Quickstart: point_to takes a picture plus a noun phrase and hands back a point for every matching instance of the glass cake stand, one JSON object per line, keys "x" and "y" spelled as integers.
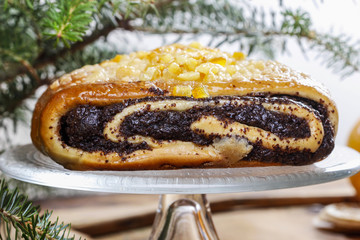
{"x": 183, "y": 211}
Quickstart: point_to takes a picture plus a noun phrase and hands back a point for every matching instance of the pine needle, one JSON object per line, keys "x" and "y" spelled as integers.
{"x": 22, "y": 220}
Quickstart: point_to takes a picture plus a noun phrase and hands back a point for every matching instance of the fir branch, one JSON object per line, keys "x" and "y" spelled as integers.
{"x": 28, "y": 7}
{"x": 225, "y": 21}
{"x": 92, "y": 54}
{"x": 13, "y": 108}
{"x": 22, "y": 220}
{"x": 13, "y": 93}
{"x": 17, "y": 38}
{"x": 254, "y": 29}
{"x": 49, "y": 59}
{"x": 68, "y": 20}
{"x": 296, "y": 23}
{"x": 23, "y": 62}
{"x": 337, "y": 52}
{"x": 105, "y": 20}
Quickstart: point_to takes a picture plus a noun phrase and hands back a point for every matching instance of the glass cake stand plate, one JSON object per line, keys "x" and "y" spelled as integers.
{"x": 183, "y": 211}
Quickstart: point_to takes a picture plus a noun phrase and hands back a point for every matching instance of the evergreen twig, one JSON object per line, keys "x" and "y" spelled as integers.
{"x": 22, "y": 220}
{"x": 68, "y": 20}
{"x": 253, "y": 28}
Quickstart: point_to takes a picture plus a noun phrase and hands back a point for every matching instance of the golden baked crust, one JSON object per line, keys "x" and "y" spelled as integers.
{"x": 194, "y": 72}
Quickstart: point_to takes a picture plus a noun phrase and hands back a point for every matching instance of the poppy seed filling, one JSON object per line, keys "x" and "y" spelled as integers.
{"x": 83, "y": 126}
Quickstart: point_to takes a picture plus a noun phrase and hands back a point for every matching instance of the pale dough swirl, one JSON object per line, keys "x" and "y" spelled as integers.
{"x": 209, "y": 125}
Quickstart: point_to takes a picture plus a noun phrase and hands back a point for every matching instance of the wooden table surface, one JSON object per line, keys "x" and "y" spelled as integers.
{"x": 277, "y": 214}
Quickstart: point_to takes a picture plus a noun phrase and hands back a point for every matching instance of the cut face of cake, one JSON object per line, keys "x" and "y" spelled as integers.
{"x": 184, "y": 107}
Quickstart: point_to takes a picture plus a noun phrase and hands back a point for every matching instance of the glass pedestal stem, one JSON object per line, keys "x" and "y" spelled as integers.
{"x": 183, "y": 216}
